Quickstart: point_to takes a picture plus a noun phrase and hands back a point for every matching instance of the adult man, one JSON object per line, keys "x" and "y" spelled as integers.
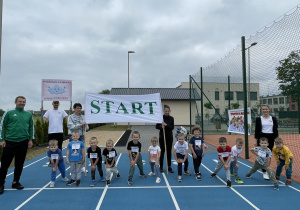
{"x": 16, "y": 134}
{"x": 55, "y": 117}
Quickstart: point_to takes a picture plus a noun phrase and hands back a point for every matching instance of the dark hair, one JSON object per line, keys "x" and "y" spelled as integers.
{"x": 264, "y": 139}
{"x": 166, "y": 106}
{"x": 19, "y": 97}
{"x": 76, "y": 105}
{"x": 196, "y": 128}
{"x": 222, "y": 140}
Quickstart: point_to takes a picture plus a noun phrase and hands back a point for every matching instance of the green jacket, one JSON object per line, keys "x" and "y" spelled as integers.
{"x": 16, "y": 125}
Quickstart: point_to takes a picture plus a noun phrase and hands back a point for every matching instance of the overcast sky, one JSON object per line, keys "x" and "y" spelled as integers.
{"x": 87, "y": 41}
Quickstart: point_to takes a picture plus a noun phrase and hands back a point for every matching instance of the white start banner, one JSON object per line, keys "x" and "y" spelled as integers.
{"x": 103, "y": 108}
{"x": 56, "y": 90}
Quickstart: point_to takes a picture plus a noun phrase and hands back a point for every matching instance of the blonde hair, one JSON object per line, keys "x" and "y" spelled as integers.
{"x": 239, "y": 141}
{"x": 93, "y": 139}
{"x": 196, "y": 128}
{"x": 154, "y": 138}
{"x": 53, "y": 142}
{"x": 278, "y": 141}
{"x": 266, "y": 106}
{"x": 110, "y": 142}
{"x": 75, "y": 132}
{"x": 180, "y": 135}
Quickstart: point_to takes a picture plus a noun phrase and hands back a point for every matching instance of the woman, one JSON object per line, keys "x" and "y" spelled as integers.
{"x": 266, "y": 126}
{"x": 168, "y": 125}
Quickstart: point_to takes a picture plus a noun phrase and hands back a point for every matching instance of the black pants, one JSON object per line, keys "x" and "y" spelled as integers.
{"x": 197, "y": 163}
{"x": 57, "y": 136}
{"x": 99, "y": 168}
{"x": 169, "y": 143}
{"x": 11, "y": 150}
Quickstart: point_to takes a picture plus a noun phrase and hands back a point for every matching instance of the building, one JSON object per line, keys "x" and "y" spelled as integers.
{"x": 276, "y": 103}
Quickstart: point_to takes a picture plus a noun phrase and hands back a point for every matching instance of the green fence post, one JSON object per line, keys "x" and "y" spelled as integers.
{"x": 201, "y": 84}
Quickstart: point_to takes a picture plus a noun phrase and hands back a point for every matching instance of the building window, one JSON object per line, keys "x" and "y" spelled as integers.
{"x": 293, "y": 107}
{"x": 226, "y": 95}
{"x": 239, "y": 96}
{"x": 264, "y": 101}
{"x": 253, "y": 96}
{"x": 281, "y": 100}
{"x": 217, "y": 95}
{"x": 270, "y": 101}
{"x": 275, "y": 100}
{"x": 276, "y": 110}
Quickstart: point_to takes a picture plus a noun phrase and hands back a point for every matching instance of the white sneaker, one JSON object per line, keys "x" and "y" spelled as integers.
{"x": 157, "y": 180}
{"x": 52, "y": 184}
{"x": 83, "y": 170}
{"x": 151, "y": 174}
{"x": 65, "y": 179}
{"x": 266, "y": 176}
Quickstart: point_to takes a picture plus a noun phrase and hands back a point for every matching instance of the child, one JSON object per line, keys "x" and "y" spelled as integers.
{"x": 263, "y": 160}
{"x": 76, "y": 157}
{"x": 94, "y": 153}
{"x": 196, "y": 145}
{"x": 236, "y": 151}
{"x": 283, "y": 156}
{"x": 110, "y": 155}
{"x": 134, "y": 151}
{"x": 181, "y": 151}
{"x": 153, "y": 156}
{"x": 56, "y": 159}
{"x": 224, "y": 153}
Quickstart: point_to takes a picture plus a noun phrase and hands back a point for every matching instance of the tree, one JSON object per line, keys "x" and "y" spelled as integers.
{"x": 235, "y": 105}
{"x": 1, "y": 112}
{"x": 288, "y": 73}
{"x": 106, "y": 91}
{"x": 208, "y": 105}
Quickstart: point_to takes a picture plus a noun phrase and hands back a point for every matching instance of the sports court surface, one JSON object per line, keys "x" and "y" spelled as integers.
{"x": 209, "y": 193}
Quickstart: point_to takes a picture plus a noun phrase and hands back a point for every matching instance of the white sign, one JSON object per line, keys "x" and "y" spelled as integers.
{"x": 236, "y": 121}
{"x": 103, "y": 108}
{"x": 56, "y": 90}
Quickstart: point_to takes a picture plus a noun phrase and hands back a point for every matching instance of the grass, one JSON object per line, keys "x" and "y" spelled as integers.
{"x": 111, "y": 127}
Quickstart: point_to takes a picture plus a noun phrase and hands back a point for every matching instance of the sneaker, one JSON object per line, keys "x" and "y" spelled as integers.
{"x": 129, "y": 181}
{"x": 232, "y": 174}
{"x": 107, "y": 182}
{"x": 239, "y": 181}
{"x": 78, "y": 182}
{"x": 213, "y": 175}
{"x": 248, "y": 176}
{"x": 65, "y": 179}
{"x": 17, "y": 185}
{"x": 161, "y": 170}
{"x": 277, "y": 177}
{"x": 276, "y": 187}
{"x": 187, "y": 173}
{"x": 198, "y": 177}
{"x": 266, "y": 176}
{"x": 93, "y": 182}
{"x": 72, "y": 181}
{"x": 170, "y": 170}
{"x": 143, "y": 176}
{"x": 228, "y": 183}
{"x": 83, "y": 170}
{"x": 118, "y": 175}
{"x": 288, "y": 182}
{"x": 151, "y": 174}
{"x": 1, "y": 189}
{"x": 179, "y": 179}
{"x": 157, "y": 180}
{"x": 52, "y": 184}
{"x": 102, "y": 179}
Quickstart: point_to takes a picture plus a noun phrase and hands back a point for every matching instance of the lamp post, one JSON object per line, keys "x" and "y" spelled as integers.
{"x": 128, "y": 92}
{"x": 248, "y": 48}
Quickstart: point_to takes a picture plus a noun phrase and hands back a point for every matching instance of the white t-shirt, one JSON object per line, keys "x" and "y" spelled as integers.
{"x": 55, "y": 118}
{"x": 235, "y": 152}
{"x": 154, "y": 152}
{"x": 267, "y": 125}
{"x": 181, "y": 148}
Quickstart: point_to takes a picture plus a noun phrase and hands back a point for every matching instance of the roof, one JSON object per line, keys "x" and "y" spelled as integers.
{"x": 165, "y": 93}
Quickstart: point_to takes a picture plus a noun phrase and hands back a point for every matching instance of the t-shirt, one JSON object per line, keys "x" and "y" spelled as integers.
{"x": 267, "y": 124}
{"x": 110, "y": 155}
{"x": 75, "y": 149}
{"x": 134, "y": 148}
{"x": 235, "y": 152}
{"x": 224, "y": 153}
{"x": 197, "y": 145}
{"x": 181, "y": 148}
{"x": 263, "y": 155}
{"x": 94, "y": 154}
{"x": 55, "y": 118}
{"x": 54, "y": 155}
{"x": 153, "y": 152}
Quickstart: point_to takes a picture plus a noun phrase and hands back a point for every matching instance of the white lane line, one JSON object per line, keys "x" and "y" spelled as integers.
{"x": 245, "y": 199}
{"x": 106, "y": 187}
{"x": 171, "y": 192}
{"x": 119, "y": 139}
{"x": 41, "y": 189}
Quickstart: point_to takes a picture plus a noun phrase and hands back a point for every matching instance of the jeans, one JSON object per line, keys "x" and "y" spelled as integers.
{"x": 186, "y": 164}
{"x": 62, "y": 170}
{"x": 157, "y": 172}
{"x": 288, "y": 172}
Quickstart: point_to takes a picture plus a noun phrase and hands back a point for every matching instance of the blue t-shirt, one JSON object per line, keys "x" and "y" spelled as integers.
{"x": 54, "y": 155}
{"x": 75, "y": 149}
{"x": 197, "y": 145}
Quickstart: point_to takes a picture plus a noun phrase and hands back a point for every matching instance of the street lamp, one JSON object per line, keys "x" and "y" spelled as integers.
{"x": 128, "y": 92}
{"x": 248, "y": 48}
